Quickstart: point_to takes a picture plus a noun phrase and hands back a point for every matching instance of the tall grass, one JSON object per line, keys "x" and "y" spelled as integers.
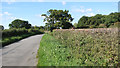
{"x": 52, "y": 53}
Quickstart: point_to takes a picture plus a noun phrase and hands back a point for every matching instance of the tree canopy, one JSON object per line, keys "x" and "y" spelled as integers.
{"x": 20, "y": 24}
{"x": 57, "y": 19}
{"x": 98, "y": 20}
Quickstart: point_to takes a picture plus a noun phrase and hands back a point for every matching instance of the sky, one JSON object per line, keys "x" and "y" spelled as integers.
{"x": 31, "y": 11}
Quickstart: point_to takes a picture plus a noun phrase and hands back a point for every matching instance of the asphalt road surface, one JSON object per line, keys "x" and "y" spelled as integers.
{"x": 21, "y": 53}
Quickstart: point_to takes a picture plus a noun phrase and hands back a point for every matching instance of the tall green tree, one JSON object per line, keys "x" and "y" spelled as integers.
{"x": 20, "y": 24}
{"x": 83, "y": 22}
{"x": 99, "y": 20}
{"x": 57, "y": 19}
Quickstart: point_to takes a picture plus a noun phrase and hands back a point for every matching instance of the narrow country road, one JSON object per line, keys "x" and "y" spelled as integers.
{"x": 21, "y": 53}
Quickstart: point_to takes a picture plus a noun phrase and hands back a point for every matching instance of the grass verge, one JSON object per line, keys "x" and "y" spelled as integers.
{"x": 52, "y": 53}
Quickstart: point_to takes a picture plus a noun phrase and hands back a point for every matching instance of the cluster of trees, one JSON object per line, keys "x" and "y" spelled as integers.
{"x": 99, "y": 20}
{"x": 19, "y": 29}
{"x": 20, "y": 24}
{"x": 17, "y": 23}
{"x": 56, "y": 19}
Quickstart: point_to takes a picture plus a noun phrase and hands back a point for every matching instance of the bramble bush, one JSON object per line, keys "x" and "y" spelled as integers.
{"x": 93, "y": 47}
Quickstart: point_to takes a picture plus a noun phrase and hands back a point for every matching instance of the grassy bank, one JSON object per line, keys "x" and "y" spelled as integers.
{"x": 52, "y": 53}
{"x": 13, "y": 35}
{"x": 94, "y": 47}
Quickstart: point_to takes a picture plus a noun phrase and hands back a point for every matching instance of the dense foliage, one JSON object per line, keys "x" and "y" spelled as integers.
{"x": 20, "y": 24}
{"x": 99, "y": 21}
{"x": 90, "y": 47}
{"x": 19, "y": 29}
{"x": 41, "y": 28}
{"x": 12, "y": 35}
{"x": 58, "y": 19}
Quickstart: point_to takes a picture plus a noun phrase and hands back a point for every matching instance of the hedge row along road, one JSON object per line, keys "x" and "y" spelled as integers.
{"x": 22, "y": 53}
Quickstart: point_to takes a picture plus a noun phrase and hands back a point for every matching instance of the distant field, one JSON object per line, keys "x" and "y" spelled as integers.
{"x": 80, "y": 47}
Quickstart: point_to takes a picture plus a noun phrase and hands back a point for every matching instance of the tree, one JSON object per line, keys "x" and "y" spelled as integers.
{"x": 20, "y": 24}
{"x": 57, "y": 19}
{"x": 67, "y": 25}
{"x": 75, "y": 25}
{"x": 99, "y": 20}
{"x": 82, "y": 22}
{"x": 41, "y": 27}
